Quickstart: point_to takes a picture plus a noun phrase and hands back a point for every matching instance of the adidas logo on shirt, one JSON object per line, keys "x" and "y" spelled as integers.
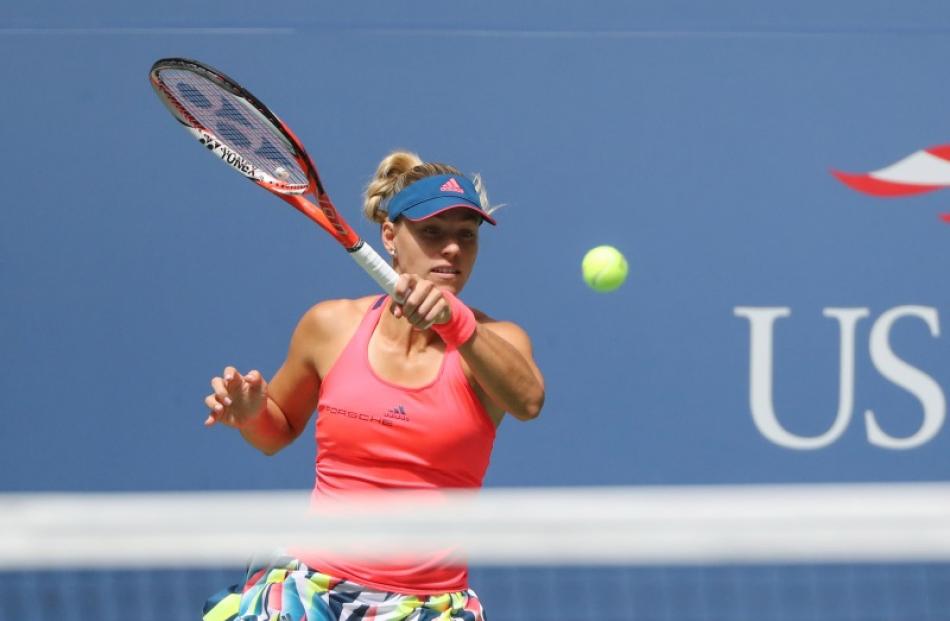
{"x": 398, "y": 412}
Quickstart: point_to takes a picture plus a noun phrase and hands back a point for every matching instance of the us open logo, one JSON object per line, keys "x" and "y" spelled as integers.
{"x": 920, "y": 172}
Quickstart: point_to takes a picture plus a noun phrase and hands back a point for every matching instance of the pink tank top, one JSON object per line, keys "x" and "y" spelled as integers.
{"x": 372, "y": 434}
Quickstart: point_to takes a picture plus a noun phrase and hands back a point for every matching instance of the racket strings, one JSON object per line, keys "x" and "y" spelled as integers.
{"x": 235, "y": 123}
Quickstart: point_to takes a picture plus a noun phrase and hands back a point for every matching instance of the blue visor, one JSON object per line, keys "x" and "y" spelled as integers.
{"x": 432, "y": 195}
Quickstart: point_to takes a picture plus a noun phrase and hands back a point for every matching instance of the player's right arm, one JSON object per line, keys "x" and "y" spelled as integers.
{"x": 271, "y": 415}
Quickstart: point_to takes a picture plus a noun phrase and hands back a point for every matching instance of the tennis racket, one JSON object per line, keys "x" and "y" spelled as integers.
{"x": 243, "y": 133}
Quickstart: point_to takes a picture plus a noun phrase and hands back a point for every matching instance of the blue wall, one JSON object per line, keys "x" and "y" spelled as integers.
{"x": 696, "y": 137}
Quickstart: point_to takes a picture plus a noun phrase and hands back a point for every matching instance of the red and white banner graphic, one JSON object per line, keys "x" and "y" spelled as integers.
{"x": 922, "y": 171}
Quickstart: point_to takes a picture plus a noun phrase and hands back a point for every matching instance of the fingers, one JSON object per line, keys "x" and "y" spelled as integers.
{"x": 221, "y": 391}
{"x": 417, "y": 297}
{"x": 422, "y": 303}
{"x": 438, "y": 313}
{"x": 234, "y": 396}
{"x": 255, "y": 385}
{"x": 220, "y": 413}
{"x": 254, "y": 380}
{"x": 217, "y": 409}
{"x": 402, "y": 288}
{"x": 233, "y": 381}
{"x": 423, "y": 316}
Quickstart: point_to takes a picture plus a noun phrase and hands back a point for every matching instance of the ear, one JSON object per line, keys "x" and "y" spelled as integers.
{"x": 387, "y": 234}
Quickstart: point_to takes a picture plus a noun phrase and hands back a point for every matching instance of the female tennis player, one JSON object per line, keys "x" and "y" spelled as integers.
{"x": 409, "y": 392}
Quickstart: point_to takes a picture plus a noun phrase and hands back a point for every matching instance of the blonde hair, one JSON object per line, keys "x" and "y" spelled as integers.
{"x": 400, "y": 169}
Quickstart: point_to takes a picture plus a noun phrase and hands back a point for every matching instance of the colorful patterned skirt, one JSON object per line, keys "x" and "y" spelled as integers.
{"x": 285, "y": 589}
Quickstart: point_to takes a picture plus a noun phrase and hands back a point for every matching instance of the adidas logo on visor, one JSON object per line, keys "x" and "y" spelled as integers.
{"x": 451, "y": 186}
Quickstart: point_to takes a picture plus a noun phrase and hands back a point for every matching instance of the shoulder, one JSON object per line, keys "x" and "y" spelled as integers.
{"x": 508, "y": 330}
{"x": 325, "y": 329}
{"x": 333, "y": 317}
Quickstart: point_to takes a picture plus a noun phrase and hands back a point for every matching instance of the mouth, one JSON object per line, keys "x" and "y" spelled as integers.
{"x": 445, "y": 271}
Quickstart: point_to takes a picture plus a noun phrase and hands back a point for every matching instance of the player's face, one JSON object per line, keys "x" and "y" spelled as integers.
{"x": 442, "y": 248}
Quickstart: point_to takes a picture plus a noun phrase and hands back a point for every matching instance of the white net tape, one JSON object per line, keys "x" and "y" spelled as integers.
{"x": 671, "y": 525}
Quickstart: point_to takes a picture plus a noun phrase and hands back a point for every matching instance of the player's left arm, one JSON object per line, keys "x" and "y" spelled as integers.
{"x": 500, "y": 357}
{"x": 498, "y": 353}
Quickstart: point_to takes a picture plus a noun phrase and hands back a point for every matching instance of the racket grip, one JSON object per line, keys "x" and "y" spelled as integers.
{"x": 382, "y": 272}
{"x": 375, "y": 266}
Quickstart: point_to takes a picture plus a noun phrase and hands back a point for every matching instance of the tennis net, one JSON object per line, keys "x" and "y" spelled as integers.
{"x": 818, "y": 553}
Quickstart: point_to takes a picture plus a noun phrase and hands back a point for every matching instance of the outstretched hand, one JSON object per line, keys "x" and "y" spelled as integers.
{"x": 236, "y": 398}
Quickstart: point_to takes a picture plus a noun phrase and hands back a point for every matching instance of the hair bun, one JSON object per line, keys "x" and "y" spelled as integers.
{"x": 383, "y": 184}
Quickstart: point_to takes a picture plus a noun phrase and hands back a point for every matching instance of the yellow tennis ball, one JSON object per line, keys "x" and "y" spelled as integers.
{"x": 604, "y": 268}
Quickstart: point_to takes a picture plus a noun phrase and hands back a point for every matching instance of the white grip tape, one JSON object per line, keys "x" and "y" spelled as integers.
{"x": 375, "y": 266}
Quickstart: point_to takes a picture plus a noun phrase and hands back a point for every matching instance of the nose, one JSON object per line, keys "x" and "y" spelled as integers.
{"x": 451, "y": 248}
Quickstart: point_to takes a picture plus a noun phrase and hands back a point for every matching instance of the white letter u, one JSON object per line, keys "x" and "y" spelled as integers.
{"x": 761, "y": 320}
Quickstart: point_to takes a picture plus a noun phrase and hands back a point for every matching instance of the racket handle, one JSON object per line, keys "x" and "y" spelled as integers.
{"x": 382, "y": 272}
{"x": 375, "y": 266}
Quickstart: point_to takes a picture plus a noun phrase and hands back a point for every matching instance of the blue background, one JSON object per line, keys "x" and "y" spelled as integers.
{"x": 696, "y": 137}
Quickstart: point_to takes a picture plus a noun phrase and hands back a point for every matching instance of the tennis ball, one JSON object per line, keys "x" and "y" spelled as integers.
{"x": 604, "y": 268}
